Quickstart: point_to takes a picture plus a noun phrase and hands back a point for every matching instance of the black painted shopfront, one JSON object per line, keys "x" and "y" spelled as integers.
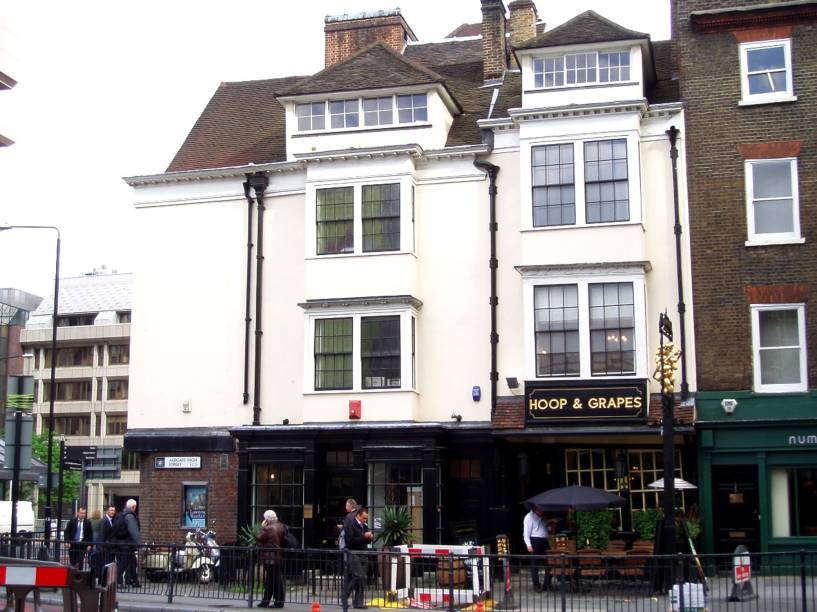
{"x": 445, "y": 474}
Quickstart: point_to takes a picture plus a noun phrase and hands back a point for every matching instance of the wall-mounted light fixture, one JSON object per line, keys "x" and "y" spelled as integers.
{"x": 457, "y": 417}
{"x": 729, "y": 405}
{"x": 513, "y": 382}
{"x": 286, "y": 421}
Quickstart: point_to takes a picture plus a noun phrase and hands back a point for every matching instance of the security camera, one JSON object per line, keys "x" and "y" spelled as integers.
{"x": 729, "y": 405}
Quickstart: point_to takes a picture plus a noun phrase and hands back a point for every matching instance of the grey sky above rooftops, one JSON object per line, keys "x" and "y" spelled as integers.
{"x": 107, "y": 90}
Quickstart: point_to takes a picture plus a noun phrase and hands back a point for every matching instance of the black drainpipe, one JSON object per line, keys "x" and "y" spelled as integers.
{"x": 247, "y": 318}
{"x": 673, "y": 132}
{"x": 258, "y": 182}
{"x": 492, "y": 171}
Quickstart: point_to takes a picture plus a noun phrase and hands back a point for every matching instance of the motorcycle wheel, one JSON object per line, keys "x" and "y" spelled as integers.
{"x": 206, "y": 574}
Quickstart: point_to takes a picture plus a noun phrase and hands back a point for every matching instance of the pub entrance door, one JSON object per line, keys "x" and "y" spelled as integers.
{"x": 735, "y": 501}
{"x": 334, "y": 485}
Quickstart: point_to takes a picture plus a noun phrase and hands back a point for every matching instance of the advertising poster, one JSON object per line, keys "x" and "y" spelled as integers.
{"x": 194, "y": 512}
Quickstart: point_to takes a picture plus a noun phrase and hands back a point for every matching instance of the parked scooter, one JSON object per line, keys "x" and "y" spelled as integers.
{"x": 199, "y": 559}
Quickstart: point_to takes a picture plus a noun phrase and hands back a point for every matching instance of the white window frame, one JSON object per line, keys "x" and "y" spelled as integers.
{"x": 407, "y": 225}
{"x": 633, "y": 179}
{"x": 583, "y": 279}
{"x": 395, "y": 122}
{"x": 541, "y": 61}
{"x": 408, "y": 366}
{"x": 801, "y": 334}
{"x": 766, "y": 98}
{"x": 345, "y": 113}
{"x": 753, "y": 238}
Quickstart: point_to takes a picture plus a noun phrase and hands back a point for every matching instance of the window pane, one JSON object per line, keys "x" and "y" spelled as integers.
{"x": 380, "y": 352}
{"x": 335, "y": 228}
{"x": 606, "y": 186}
{"x": 774, "y": 217}
{"x": 778, "y": 328}
{"x": 381, "y": 217}
{"x": 771, "y": 179}
{"x": 557, "y": 335}
{"x": 612, "y": 347}
{"x": 766, "y": 59}
{"x": 553, "y": 192}
{"x": 333, "y": 353}
{"x": 780, "y": 366}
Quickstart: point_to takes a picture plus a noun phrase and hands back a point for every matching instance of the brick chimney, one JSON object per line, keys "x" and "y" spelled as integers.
{"x": 345, "y": 35}
{"x": 523, "y": 21}
{"x": 494, "y": 47}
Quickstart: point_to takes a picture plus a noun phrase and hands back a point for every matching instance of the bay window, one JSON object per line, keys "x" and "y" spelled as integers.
{"x": 364, "y": 350}
{"x": 583, "y": 328}
{"x": 584, "y": 182}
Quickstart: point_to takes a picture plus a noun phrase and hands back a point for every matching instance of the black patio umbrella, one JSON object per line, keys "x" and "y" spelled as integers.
{"x": 576, "y": 497}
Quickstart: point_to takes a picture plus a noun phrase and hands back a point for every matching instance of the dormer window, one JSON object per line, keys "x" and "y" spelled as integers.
{"x": 574, "y": 69}
{"x": 377, "y": 112}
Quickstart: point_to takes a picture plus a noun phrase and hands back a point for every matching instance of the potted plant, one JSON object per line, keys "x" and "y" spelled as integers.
{"x": 644, "y": 523}
{"x": 593, "y": 529}
{"x": 395, "y": 530}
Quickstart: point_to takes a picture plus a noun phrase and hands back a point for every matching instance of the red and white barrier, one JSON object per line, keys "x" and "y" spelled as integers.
{"x": 20, "y": 575}
{"x": 433, "y": 596}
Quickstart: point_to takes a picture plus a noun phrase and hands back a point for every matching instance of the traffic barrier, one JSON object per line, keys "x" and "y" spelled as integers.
{"x": 20, "y": 577}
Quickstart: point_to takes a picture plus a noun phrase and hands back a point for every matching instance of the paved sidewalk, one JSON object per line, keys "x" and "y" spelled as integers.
{"x": 135, "y": 602}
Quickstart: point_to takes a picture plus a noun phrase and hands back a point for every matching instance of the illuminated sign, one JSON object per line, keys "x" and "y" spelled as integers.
{"x": 596, "y": 400}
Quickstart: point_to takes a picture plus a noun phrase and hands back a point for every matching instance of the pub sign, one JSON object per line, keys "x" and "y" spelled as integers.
{"x": 570, "y": 402}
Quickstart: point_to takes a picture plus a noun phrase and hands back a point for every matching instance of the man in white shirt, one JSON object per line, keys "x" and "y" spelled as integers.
{"x": 535, "y": 534}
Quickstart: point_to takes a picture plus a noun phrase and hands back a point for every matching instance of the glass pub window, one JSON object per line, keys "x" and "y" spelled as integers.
{"x": 554, "y": 192}
{"x": 333, "y": 354}
{"x": 605, "y": 181}
{"x": 381, "y": 218}
{"x": 335, "y": 220}
{"x": 612, "y": 327}
{"x": 380, "y": 352}
{"x": 279, "y": 487}
{"x": 556, "y": 324}
{"x": 396, "y": 484}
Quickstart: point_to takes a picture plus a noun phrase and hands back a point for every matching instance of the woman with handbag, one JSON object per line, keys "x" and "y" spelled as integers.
{"x": 271, "y": 541}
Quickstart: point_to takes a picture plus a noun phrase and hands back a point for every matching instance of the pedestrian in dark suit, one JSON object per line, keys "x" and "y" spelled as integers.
{"x": 358, "y": 537}
{"x": 80, "y": 533}
{"x": 104, "y": 552}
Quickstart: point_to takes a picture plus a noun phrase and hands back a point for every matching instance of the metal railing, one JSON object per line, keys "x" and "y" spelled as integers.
{"x": 779, "y": 581}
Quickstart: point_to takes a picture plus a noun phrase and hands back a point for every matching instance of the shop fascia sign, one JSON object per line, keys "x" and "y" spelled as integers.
{"x": 549, "y": 402}
{"x": 803, "y": 440}
{"x": 177, "y": 463}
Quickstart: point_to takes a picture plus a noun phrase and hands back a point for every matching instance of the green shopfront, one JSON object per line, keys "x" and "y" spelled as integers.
{"x": 757, "y": 464}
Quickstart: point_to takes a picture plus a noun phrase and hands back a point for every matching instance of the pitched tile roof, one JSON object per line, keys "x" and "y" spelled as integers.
{"x": 466, "y": 29}
{"x": 242, "y": 123}
{"x": 376, "y": 66}
{"x": 589, "y": 27}
{"x": 446, "y": 53}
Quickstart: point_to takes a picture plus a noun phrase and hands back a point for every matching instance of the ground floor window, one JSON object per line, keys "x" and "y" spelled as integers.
{"x": 794, "y": 502}
{"x": 396, "y": 484}
{"x": 279, "y": 487}
{"x": 645, "y": 467}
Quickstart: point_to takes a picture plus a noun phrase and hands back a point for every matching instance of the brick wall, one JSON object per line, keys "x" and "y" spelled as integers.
{"x": 717, "y": 131}
{"x": 345, "y": 38}
{"x": 160, "y": 502}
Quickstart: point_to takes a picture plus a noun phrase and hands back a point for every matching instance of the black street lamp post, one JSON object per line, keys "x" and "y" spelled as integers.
{"x": 52, "y": 388}
{"x": 665, "y": 374}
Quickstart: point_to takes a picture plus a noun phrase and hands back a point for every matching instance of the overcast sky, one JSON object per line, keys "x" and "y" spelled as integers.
{"x": 110, "y": 89}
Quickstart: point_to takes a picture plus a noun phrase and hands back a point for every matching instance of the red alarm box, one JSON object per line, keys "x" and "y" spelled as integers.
{"x": 354, "y": 409}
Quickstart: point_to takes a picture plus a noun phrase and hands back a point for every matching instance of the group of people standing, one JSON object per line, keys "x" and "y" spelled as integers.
{"x": 116, "y": 536}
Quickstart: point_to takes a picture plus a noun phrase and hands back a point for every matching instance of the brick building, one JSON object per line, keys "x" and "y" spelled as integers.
{"x": 748, "y": 76}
